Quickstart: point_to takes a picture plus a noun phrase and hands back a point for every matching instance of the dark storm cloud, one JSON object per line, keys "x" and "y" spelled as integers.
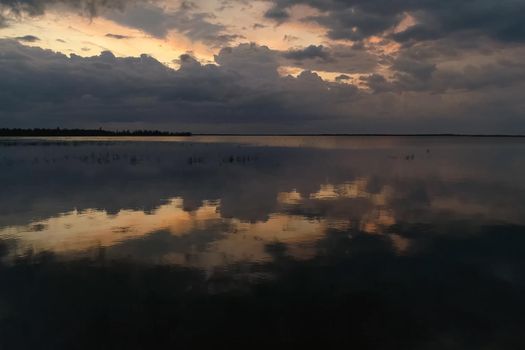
{"x": 448, "y": 64}
{"x": 426, "y": 77}
{"x": 356, "y": 19}
{"x": 43, "y": 88}
{"x": 355, "y": 24}
{"x": 244, "y": 88}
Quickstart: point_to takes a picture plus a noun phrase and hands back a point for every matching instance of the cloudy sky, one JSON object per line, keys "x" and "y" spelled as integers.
{"x": 264, "y": 66}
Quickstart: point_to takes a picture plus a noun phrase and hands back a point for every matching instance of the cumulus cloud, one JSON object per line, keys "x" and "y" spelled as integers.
{"x": 245, "y": 87}
{"x": 253, "y": 62}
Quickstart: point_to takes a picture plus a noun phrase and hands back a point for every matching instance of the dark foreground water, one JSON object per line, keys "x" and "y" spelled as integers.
{"x": 262, "y": 242}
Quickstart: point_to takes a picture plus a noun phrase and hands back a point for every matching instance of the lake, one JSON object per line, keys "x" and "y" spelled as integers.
{"x": 258, "y": 242}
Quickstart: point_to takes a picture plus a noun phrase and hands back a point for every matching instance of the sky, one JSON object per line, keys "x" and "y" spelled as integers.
{"x": 272, "y": 66}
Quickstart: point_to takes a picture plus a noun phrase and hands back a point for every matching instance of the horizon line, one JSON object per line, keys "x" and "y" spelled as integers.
{"x": 361, "y": 134}
{"x": 79, "y": 132}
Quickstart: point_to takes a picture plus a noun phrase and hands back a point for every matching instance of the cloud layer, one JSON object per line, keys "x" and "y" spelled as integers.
{"x": 359, "y": 19}
{"x": 329, "y": 66}
{"x": 40, "y": 87}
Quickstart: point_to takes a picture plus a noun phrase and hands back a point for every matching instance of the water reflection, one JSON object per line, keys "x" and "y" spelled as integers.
{"x": 363, "y": 242}
{"x": 226, "y": 240}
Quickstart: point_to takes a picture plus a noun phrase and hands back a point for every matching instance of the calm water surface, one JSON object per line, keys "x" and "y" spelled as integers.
{"x": 356, "y": 242}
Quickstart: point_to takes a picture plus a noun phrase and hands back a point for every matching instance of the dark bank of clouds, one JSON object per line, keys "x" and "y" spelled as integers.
{"x": 445, "y": 65}
{"x": 40, "y": 87}
{"x": 43, "y": 88}
{"x": 359, "y": 19}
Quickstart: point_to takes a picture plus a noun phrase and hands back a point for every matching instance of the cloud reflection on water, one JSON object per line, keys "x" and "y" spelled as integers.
{"x": 356, "y": 244}
{"x": 232, "y": 241}
{"x": 72, "y": 196}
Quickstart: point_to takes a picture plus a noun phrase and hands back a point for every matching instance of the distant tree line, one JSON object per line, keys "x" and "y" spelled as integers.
{"x": 86, "y": 132}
